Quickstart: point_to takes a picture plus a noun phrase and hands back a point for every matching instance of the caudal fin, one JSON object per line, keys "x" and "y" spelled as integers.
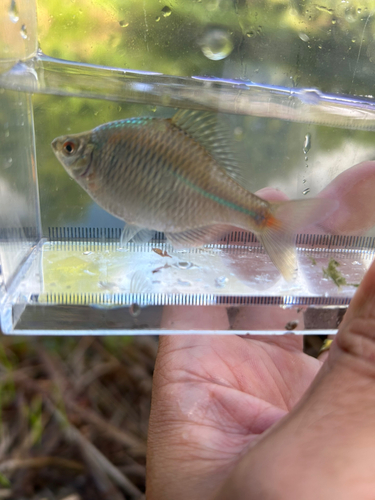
{"x": 278, "y": 238}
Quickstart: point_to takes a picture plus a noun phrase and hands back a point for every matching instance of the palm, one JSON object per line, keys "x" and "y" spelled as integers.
{"x": 219, "y": 394}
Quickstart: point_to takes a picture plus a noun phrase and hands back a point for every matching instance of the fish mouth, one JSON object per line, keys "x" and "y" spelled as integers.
{"x": 54, "y": 144}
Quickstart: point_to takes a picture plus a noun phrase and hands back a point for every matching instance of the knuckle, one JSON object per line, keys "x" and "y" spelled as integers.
{"x": 357, "y": 338}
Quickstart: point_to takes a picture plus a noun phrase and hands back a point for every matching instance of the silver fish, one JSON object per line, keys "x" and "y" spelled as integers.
{"x": 179, "y": 176}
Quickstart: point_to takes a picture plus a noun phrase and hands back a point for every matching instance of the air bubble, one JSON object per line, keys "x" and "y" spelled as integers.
{"x": 157, "y": 19}
{"x": 304, "y": 37}
{"x": 135, "y": 310}
{"x": 307, "y": 144}
{"x": 184, "y": 265}
{"x": 123, "y": 24}
{"x": 166, "y": 11}
{"x": 221, "y": 281}
{"x": 13, "y": 12}
{"x": 24, "y": 32}
{"x": 306, "y": 191}
{"x": 216, "y": 44}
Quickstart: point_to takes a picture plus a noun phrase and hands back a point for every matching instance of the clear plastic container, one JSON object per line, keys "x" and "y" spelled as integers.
{"x": 294, "y": 84}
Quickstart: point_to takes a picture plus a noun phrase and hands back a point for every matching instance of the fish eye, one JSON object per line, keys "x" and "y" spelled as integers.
{"x": 69, "y": 147}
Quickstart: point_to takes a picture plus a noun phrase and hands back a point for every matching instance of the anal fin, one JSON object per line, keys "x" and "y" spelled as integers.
{"x": 136, "y": 233}
{"x": 198, "y": 236}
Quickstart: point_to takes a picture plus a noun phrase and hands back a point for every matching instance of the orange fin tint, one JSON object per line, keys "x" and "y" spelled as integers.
{"x": 286, "y": 219}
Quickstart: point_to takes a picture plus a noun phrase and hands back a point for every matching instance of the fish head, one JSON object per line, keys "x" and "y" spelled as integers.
{"x": 75, "y": 153}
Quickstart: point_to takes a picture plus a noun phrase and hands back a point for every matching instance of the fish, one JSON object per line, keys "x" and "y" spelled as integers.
{"x": 180, "y": 176}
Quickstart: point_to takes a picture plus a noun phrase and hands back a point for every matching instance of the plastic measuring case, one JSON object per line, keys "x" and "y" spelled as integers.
{"x": 298, "y": 116}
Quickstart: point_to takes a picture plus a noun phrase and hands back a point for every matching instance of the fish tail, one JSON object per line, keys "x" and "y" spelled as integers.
{"x": 283, "y": 222}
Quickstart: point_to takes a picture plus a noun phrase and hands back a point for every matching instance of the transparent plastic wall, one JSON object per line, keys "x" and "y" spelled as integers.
{"x": 292, "y": 82}
{"x": 19, "y": 203}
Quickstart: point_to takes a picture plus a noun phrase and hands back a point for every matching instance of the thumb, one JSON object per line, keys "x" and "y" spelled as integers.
{"x": 325, "y": 447}
{"x": 354, "y": 347}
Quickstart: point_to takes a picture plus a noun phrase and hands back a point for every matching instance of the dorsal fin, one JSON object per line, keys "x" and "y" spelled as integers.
{"x": 210, "y": 131}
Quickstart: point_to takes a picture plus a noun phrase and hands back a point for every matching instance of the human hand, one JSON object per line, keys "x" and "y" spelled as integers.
{"x": 229, "y": 419}
{"x": 213, "y": 397}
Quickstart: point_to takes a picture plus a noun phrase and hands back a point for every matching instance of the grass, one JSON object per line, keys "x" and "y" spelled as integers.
{"x": 74, "y": 417}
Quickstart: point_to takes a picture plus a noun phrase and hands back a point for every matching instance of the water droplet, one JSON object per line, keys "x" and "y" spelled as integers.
{"x": 123, "y": 23}
{"x": 86, "y": 271}
{"x": 135, "y": 310}
{"x": 359, "y": 10}
{"x": 354, "y": 40}
{"x": 184, "y": 265}
{"x": 8, "y": 163}
{"x": 221, "y": 281}
{"x": 212, "y": 5}
{"x": 216, "y": 44}
{"x": 304, "y": 181}
{"x": 13, "y": 12}
{"x": 306, "y": 191}
{"x": 334, "y": 21}
{"x": 166, "y": 11}
{"x": 23, "y": 32}
{"x": 250, "y": 34}
{"x": 304, "y": 37}
{"x": 184, "y": 283}
{"x": 157, "y": 19}
{"x": 307, "y": 144}
{"x": 87, "y": 253}
{"x": 238, "y": 134}
{"x": 350, "y": 14}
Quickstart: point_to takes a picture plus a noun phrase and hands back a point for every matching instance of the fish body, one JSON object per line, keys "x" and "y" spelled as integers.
{"x": 178, "y": 176}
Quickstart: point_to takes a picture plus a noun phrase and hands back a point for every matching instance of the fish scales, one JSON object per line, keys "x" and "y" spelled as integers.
{"x": 166, "y": 175}
{"x": 169, "y": 173}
